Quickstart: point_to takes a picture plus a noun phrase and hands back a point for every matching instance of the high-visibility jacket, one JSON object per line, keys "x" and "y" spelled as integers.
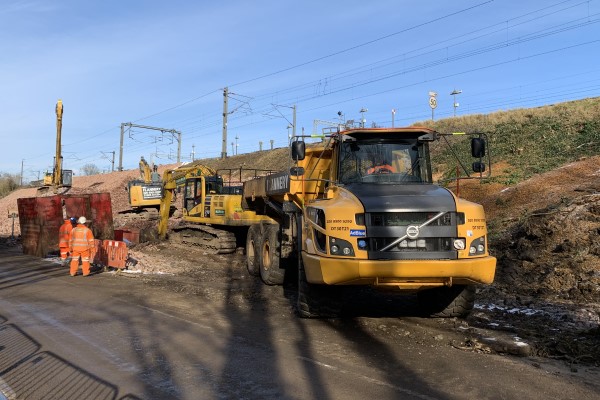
{"x": 378, "y": 169}
{"x": 82, "y": 238}
{"x": 64, "y": 233}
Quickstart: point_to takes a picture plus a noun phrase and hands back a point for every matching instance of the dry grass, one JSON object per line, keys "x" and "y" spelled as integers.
{"x": 530, "y": 141}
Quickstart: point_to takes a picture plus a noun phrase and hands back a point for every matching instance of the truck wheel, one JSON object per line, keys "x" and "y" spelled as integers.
{"x": 317, "y": 301}
{"x": 252, "y": 241}
{"x": 270, "y": 272}
{"x": 447, "y": 302}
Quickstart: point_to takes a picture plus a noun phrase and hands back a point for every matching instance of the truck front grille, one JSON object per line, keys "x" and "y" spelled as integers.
{"x": 434, "y": 240}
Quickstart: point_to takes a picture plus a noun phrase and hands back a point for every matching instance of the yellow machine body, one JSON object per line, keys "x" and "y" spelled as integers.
{"x": 354, "y": 232}
{"x": 206, "y": 200}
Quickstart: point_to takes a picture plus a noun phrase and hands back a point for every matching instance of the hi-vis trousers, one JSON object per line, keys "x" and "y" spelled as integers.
{"x": 85, "y": 262}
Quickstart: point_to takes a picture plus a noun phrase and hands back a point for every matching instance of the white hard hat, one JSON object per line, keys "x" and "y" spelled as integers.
{"x": 82, "y": 220}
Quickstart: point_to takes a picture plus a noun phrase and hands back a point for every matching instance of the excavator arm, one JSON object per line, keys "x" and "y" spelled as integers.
{"x": 145, "y": 171}
{"x": 57, "y": 178}
{"x": 170, "y": 179}
{"x": 57, "y": 173}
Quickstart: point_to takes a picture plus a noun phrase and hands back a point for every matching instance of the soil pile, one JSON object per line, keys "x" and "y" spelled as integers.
{"x": 554, "y": 254}
{"x": 545, "y": 233}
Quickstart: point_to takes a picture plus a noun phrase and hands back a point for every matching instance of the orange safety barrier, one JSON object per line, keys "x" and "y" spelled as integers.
{"x": 98, "y": 256}
{"x": 116, "y": 253}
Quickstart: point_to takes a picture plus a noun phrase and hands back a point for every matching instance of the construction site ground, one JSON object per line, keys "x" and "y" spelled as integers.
{"x": 545, "y": 233}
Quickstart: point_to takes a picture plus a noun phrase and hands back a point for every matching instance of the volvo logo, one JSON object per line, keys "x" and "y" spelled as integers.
{"x": 412, "y": 231}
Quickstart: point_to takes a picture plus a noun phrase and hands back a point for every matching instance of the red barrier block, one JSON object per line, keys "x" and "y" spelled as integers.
{"x": 116, "y": 253}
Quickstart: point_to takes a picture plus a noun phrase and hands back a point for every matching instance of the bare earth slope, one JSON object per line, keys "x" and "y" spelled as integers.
{"x": 546, "y": 236}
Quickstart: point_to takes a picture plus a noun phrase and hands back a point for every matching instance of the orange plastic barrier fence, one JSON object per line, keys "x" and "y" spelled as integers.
{"x": 98, "y": 255}
{"x": 116, "y": 253}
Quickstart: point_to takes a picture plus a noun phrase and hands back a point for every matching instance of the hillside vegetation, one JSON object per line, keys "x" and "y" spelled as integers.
{"x": 526, "y": 142}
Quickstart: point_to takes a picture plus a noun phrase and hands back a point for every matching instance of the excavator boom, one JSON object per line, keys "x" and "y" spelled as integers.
{"x": 57, "y": 173}
{"x": 57, "y": 178}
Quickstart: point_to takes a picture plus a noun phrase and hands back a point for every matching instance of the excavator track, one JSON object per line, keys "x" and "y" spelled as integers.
{"x": 139, "y": 214}
{"x": 213, "y": 240}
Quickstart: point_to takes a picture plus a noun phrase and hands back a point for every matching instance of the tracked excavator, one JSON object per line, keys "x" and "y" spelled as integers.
{"x": 144, "y": 193}
{"x": 58, "y": 178}
{"x": 212, "y": 214}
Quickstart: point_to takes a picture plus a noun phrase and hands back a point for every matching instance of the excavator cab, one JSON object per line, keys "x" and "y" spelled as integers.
{"x": 198, "y": 190}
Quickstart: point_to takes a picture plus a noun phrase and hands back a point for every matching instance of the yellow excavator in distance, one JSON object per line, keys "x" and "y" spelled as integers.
{"x": 58, "y": 177}
{"x": 145, "y": 192}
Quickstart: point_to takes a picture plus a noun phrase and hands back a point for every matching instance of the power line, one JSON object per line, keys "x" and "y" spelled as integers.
{"x": 354, "y": 47}
{"x": 337, "y": 53}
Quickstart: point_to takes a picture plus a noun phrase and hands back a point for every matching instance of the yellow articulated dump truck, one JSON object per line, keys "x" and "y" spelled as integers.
{"x": 212, "y": 214}
{"x": 360, "y": 208}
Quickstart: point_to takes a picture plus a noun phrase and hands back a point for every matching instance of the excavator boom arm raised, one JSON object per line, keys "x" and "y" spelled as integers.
{"x": 57, "y": 173}
{"x": 170, "y": 178}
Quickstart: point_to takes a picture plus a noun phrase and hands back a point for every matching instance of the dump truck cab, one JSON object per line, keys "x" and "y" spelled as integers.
{"x": 392, "y": 225}
{"x": 382, "y": 159}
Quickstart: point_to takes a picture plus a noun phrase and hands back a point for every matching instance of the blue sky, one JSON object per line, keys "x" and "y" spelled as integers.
{"x": 165, "y": 64}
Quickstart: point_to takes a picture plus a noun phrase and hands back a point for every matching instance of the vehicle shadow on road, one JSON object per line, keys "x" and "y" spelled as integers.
{"x": 28, "y": 373}
{"x": 393, "y": 374}
{"x": 261, "y": 325}
{"x": 374, "y": 303}
{"x": 26, "y": 272}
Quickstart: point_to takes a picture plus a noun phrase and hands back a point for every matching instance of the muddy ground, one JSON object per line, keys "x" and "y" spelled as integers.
{"x": 556, "y": 329}
{"x": 547, "y": 286}
{"x": 553, "y": 304}
{"x": 544, "y": 232}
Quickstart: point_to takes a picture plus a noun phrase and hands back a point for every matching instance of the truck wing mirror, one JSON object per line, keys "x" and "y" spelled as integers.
{"x": 298, "y": 150}
{"x": 478, "y": 167}
{"x": 478, "y": 147}
{"x": 428, "y": 137}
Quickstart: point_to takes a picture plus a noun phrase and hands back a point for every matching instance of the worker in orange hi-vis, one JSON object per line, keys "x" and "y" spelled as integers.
{"x": 64, "y": 237}
{"x": 81, "y": 246}
{"x": 381, "y": 166}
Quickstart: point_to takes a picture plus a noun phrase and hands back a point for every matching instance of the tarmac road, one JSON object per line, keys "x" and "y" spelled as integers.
{"x": 112, "y": 336}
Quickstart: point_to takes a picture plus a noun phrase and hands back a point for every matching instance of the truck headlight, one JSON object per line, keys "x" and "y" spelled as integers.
{"x": 340, "y": 247}
{"x": 460, "y": 244}
{"x": 477, "y": 247}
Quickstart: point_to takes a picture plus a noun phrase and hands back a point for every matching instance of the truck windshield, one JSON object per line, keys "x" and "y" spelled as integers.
{"x": 383, "y": 162}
